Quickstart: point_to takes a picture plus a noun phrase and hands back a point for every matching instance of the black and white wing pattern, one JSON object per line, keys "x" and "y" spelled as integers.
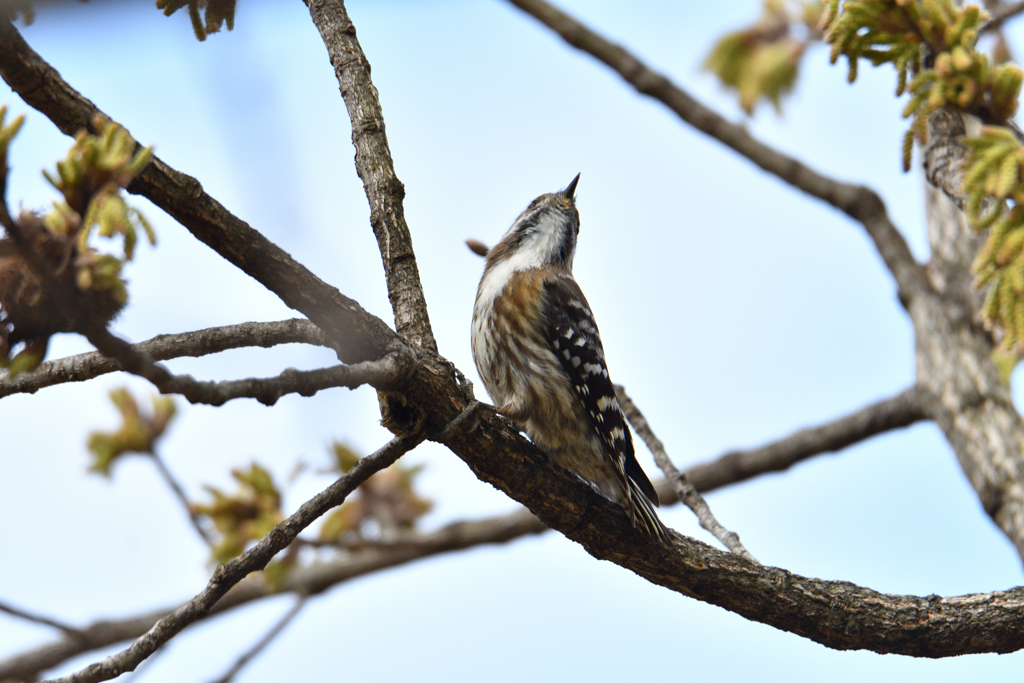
{"x": 574, "y": 338}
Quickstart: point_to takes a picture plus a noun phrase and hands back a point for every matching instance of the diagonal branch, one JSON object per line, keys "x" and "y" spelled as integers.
{"x": 309, "y": 580}
{"x": 377, "y": 171}
{"x": 357, "y": 334}
{"x": 253, "y": 560}
{"x": 71, "y": 632}
{"x": 837, "y": 614}
{"x": 899, "y": 411}
{"x": 686, "y": 491}
{"x": 860, "y": 203}
{"x": 263, "y": 642}
{"x": 86, "y": 366}
{"x": 179, "y": 493}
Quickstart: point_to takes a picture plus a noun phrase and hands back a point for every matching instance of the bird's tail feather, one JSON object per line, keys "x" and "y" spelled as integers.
{"x": 642, "y": 514}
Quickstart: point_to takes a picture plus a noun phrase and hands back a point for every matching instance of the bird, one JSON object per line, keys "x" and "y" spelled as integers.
{"x": 538, "y": 351}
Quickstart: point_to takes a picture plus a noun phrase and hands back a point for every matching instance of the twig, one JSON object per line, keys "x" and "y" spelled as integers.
{"x": 86, "y": 366}
{"x": 71, "y": 631}
{"x": 179, "y": 493}
{"x": 858, "y": 202}
{"x": 253, "y": 560}
{"x": 306, "y": 383}
{"x": 684, "y": 489}
{"x": 63, "y": 295}
{"x": 356, "y": 334}
{"x": 309, "y": 580}
{"x": 377, "y": 171}
{"x": 263, "y": 642}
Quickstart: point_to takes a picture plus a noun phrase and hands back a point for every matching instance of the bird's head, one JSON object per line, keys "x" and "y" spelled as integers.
{"x": 544, "y": 234}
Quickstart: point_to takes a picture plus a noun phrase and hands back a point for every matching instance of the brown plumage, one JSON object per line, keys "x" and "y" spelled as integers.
{"x": 539, "y": 353}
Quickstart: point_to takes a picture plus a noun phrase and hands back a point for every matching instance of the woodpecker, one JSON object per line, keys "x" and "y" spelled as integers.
{"x": 539, "y": 354}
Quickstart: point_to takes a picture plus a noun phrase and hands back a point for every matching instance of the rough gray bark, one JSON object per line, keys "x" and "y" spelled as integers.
{"x": 377, "y": 171}
{"x": 86, "y": 366}
{"x": 953, "y": 351}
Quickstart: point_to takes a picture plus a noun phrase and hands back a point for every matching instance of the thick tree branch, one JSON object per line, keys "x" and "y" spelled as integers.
{"x": 837, "y": 614}
{"x": 953, "y": 350}
{"x": 834, "y": 613}
{"x": 86, "y": 366}
{"x": 377, "y": 171}
{"x": 858, "y": 202}
{"x": 228, "y": 575}
{"x": 683, "y": 488}
{"x": 972, "y": 406}
{"x": 356, "y": 334}
{"x": 731, "y": 468}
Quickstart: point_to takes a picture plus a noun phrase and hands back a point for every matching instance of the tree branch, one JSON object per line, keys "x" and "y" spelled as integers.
{"x": 179, "y": 493}
{"x": 263, "y": 642}
{"x": 86, "y": 366}
{"x": 683, "y": 488}
{"x": 253, "y": 560}
{"x": 731, "y": 468}
{"x": 377, "y": 171}
{"x": 381, "y": 372}
{"x": 308, "y": 580}
{"x": 858, "y": 202}
{"x": 72, "y": 633}
{"x": 837, "y": 614}
{"x": 356, "y": 334}
{"x": 901, "y": 410}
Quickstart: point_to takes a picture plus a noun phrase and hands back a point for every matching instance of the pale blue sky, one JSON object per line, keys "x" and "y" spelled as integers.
{"x": 734, "y": 309}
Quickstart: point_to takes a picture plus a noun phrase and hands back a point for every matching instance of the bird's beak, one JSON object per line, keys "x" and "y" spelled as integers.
{"x": 571, "y": 190}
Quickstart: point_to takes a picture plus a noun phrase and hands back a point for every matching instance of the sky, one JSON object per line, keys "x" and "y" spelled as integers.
{"x": 734, "y": 309}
